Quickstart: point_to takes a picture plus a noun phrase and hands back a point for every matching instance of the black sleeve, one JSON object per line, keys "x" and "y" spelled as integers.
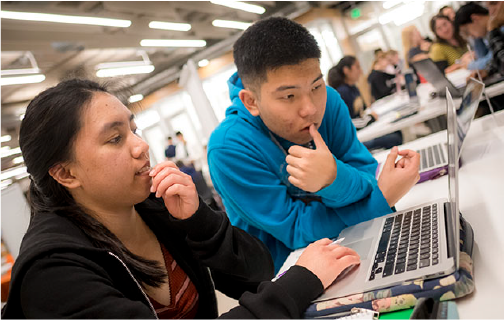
{"x": 238, "y": 261}
{"x": 381, "y": 84}
{"x": 68, "y": 287}
{"x": 496, "y": 41}
{"x": 288, "y": 297}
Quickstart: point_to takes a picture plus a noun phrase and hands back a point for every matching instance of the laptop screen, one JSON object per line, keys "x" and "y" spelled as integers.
{"x": 453, "y": 166}
{"x": 467, "y": 110}
{"x": 429, "y": 70}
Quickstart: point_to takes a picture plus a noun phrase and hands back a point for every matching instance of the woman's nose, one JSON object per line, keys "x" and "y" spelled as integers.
{"x": 140, "y": 149}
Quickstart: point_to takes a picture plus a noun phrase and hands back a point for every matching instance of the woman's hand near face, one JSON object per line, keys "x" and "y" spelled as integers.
{"x": 176, "y": 188}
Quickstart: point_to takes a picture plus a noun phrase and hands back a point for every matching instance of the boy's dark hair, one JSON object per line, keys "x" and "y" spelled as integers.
{"x": 178, "y": 133}
{"x": 463, "y": 15}
{"x": 270, "y": 44}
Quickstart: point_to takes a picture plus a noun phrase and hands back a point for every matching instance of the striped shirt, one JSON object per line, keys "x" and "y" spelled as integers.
{"x": 446, "y": 52}
{"x": 184, "y": 296}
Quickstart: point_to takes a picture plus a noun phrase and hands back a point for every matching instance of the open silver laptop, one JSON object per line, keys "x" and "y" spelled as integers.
{"x": 420, "y": 242}
{"x": 431, "y": 72}
{"x": 434, "y": 157}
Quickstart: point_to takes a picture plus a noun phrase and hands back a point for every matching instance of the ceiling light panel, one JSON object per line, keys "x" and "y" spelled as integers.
{"x": 169, "y": 26}
{"x": 59, "y": 18}
{"x": 241, "y": 6}
{"x": 172, "y": 43}
{"x": 231, "y": 24}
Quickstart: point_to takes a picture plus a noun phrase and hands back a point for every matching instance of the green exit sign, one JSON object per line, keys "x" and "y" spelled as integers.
{"x": 355, "y": 13}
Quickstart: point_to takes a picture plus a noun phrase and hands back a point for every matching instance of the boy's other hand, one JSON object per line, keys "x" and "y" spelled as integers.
{"x": 396, "y": 179}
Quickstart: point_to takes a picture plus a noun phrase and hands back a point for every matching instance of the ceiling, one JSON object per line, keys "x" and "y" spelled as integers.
{"x": 67, "y": 50}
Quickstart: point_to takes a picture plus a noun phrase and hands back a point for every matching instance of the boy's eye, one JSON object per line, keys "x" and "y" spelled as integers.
{"x": 317, "y": 87}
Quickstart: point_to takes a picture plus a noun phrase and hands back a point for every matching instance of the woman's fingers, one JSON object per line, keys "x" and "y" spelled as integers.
{"x": 170, "y": 180}
{"x": 162, "y": 174}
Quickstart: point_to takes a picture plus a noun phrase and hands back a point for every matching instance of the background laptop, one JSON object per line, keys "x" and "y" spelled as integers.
{"x": 420, "y": 242}
{"x": 430, "y": 71}
{"x": 434, "y": 157}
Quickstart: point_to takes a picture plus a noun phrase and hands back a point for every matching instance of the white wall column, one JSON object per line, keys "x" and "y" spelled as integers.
{"x": 190, "y": 81}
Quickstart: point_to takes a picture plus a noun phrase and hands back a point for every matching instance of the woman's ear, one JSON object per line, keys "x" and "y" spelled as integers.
{"x": 249, "y": 100}
{"x": 345, "y": 70}
{"x": 63, "y": 176}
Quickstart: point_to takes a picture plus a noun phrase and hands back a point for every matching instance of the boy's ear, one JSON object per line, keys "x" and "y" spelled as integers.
{"x": 249, "y": 100}
{"x": 63, "y": 176}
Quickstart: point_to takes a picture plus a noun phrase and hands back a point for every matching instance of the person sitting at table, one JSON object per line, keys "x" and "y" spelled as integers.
{"x": 471, "y": 20}
{"x": 415, "y": 47}
{"x": 381, "y": 82}
{"x": 343, "y": 77}
{"x": 495, "y": 28}
{"x": 448, "y": 47}
{"x": 447, "y": 11}
{"x": 111, "y": 237}
{"x": 286, "y": 159}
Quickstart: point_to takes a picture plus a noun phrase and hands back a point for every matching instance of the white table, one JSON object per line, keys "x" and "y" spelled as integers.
{"x": 481, "y": 198}
{"x": 429, "y": 109}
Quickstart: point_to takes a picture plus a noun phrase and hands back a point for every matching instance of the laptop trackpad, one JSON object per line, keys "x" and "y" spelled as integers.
{"x": 362, "y": 247}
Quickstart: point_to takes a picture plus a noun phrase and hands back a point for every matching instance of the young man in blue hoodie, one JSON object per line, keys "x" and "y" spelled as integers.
{"x": 286, "y": 159}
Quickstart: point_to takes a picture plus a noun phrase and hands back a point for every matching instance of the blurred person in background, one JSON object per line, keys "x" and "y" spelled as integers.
{"x": 448, "y": 47}
{"x": 496, "y": 33}
{"x": 415, "y": 47}
{"x": 394, "y": 62}
{"x": 447, "y": 11}
{"x": 471, "y": 21}
{"x": 382, "y": 83}
{"x": 343, "y": 77}
{"x": 170, "y": 149}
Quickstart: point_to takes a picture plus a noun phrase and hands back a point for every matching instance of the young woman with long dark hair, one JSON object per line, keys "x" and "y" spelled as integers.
{"x": 111, "y": 237}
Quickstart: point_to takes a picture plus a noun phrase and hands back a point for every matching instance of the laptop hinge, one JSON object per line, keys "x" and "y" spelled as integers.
{"x": 449, "y": 226}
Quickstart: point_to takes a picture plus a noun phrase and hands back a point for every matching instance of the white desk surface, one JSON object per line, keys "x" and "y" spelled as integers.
{"x": 481, "y": 199}
{"x": 429, "y": 109}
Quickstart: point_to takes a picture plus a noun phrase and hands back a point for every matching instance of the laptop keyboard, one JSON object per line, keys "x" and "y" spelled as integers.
{"x": 431, "y": 156}
{"x": 409, "y": 241}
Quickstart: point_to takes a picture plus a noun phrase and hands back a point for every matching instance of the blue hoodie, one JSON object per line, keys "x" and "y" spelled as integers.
{"x": 248, "y": 170}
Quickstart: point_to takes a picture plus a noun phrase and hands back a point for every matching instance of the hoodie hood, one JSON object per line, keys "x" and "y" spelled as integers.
{"x": 237, "y": 107}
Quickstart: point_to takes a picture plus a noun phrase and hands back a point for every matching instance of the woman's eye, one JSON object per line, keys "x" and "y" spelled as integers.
{"x": 317, "y": 87}
{"x": 289, "y": 96}
{"x": 115, "y": 140}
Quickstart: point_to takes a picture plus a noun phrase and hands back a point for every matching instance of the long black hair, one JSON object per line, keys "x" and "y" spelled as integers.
{"x": 336, "y": 76}
{"x": 48, "y": 132}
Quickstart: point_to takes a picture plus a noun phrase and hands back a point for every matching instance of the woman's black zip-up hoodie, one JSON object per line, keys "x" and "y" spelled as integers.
{"x": 60, "y": 274}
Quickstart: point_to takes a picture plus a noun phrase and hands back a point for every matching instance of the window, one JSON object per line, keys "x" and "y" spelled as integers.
{"x": 217, "y": 91}
{"x": 326, "y": 39}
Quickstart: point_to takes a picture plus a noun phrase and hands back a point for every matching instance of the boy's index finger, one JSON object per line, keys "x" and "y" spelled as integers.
{"x": 317, "y": 138}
